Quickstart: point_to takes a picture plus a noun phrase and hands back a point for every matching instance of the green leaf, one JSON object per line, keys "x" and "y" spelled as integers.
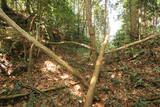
{"x": 115, "y": 81}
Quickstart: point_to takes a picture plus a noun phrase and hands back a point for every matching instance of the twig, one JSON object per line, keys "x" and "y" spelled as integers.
{"x": 34, "y": 89}
{"x": 39, "y": 91}
{"x": 146, "y": 99}
{"x": 5, "y": 37}
{"x": 152, "y": 99}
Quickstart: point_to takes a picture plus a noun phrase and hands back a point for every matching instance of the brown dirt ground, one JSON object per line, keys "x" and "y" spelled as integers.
{"x": 127, "y": 83}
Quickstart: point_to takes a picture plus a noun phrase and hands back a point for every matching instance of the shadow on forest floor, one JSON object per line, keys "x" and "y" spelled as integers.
{"x": 126, "y": 83}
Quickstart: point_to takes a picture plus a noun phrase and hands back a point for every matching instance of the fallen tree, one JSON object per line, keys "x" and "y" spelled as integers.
{"x": 70, "y": 42}
{"x": 89, "y": 47}
{"x": 111, "y": 51}
{"x": 133, "y": 43}
{"x": 98, "y": 65}
{"x": 43, "y": 48}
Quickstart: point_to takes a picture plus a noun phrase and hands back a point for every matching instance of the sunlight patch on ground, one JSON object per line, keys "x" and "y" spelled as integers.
{"x": 76, "y": 90}
{"x": 49, "y": 66}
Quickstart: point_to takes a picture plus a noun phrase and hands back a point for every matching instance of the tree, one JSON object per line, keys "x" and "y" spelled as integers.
{"x": 139, "y": 20}
{"x": 90, "y": 93}
{"x": 134, "y": 16}
{"x": 88, "y": 7}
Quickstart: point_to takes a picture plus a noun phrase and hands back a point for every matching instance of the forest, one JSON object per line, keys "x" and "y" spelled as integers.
{"x": 79, "y": 53}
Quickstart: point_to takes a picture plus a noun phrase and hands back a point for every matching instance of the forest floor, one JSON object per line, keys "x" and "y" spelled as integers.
{"x": 123, "y": 83}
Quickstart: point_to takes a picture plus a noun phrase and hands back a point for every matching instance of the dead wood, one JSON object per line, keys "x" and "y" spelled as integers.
{"x": 39, "y": 91}
{"x": 90, "y": 93}
{"x": 133, "y": 43}
{"x": 71, "y": 42}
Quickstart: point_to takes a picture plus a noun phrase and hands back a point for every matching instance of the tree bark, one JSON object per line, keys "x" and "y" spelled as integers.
{"x": 88, "y": 7}
{"x": 134, "y": 32}
{"x": 90, "y": 93}
{"x": 43, "y": 48}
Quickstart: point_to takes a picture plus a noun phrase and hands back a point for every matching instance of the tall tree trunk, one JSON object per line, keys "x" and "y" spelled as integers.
{"x": 140, "y": 23}
{"x": 88, "y": 7}
{"x": 84, "y": 20}
{"x": 78, "y": 27}
{"x": 105, "y": 18}
{"x": 91, "y": 90}
{"x": 134, "y": 32}
{"x": 106, "y": 22}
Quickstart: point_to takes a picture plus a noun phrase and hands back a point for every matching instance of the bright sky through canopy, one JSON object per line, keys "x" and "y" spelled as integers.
{"x": 115, "y": 23}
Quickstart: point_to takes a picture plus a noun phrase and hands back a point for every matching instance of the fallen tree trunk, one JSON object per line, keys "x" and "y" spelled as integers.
{"x": 133, "y": 43}
{"x": 98, "y": 65}
{"x": 71, "y": 42}
{"x": 111, "y": 51}
{"x": 90, "y": 93}
{"x": 94, "y": 79}
{"x": 43, "y": 48}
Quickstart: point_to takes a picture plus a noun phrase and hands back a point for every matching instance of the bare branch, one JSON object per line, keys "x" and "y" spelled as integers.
{"x": 40, "y": 91}
{"x": 71, "y": 42}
